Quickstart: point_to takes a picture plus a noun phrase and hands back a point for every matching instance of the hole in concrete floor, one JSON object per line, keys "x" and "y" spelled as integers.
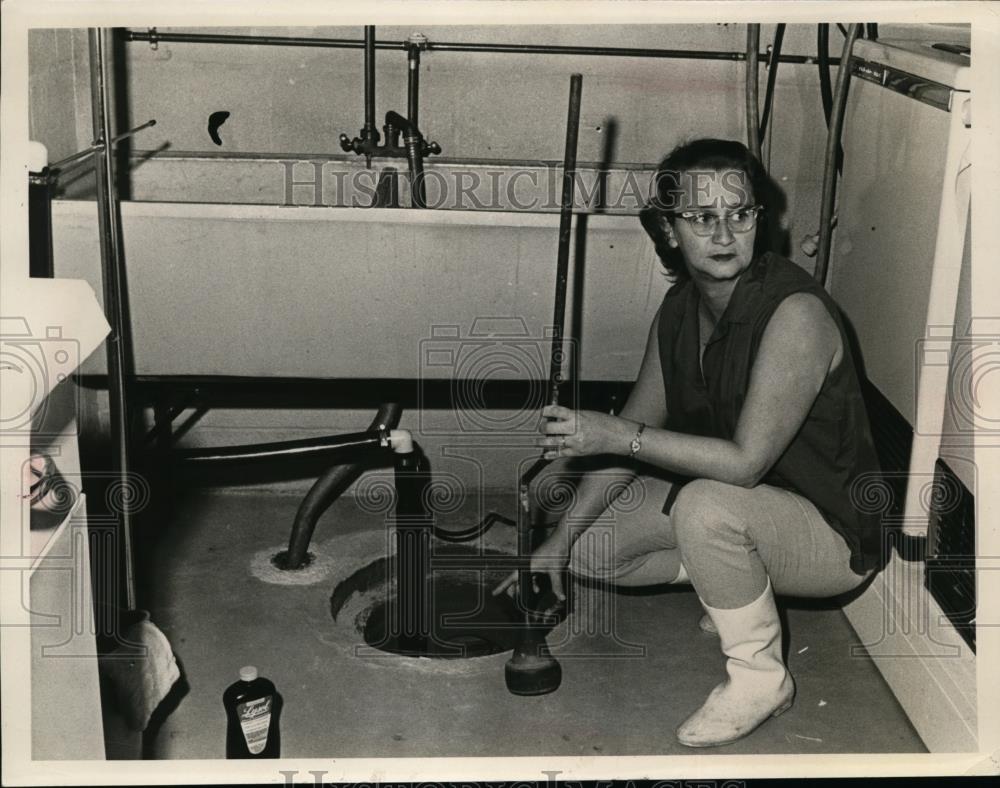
{"x": 466, "y": 619}
{"x": 280, "y": 560}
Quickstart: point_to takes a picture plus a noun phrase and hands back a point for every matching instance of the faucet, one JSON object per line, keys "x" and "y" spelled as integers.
{"x": 414, "y": 147}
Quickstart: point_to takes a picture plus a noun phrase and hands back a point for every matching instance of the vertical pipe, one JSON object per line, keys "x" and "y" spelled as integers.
{"x": 370, "y": 132}
{"x": 413, "y": 86}
{"x": 830, "y": 163}
{"x": 370, "y": 79}
{"x": 753, "y": 113}
{"x": 413, "y": 527}
{"x": 40, "y": 227}
{"x": 118, "y": 344}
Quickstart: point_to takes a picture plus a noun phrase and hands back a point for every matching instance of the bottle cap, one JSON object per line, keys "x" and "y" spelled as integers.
{"x": 248, "y": 673}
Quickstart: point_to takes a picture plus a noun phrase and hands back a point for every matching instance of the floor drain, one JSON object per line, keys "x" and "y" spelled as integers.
{"x": 466, "y": 620}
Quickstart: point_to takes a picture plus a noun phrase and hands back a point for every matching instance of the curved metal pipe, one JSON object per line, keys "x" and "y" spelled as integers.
{"x": 327, "y": 488}
{"x": 752, "y": 93}
{"x": 823, "y": 62}
{"x": 825, "y": 91}
{"x": 829, "y": 165}
{"x": 772, "y": 78}
{"x": 405, "y": 125}
{"x": 306, "y": 447}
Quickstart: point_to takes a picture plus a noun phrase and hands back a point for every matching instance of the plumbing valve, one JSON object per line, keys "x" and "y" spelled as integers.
{"x": 418, "y": 40}
{"x": 358, "y": 144}
{"x": 350, "y": 146}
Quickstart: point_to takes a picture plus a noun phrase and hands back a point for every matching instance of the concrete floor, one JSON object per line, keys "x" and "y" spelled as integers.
{"x": 634, "y": 664}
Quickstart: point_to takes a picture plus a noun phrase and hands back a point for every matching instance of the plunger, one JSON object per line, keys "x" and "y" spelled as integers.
{"x": 532, "y": 670}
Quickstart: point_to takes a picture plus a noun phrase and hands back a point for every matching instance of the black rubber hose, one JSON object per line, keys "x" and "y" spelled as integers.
{"x": 772, "y": 77}
{"x": 476, "y": 531}
{"x": 326, "y": 490}
{"x": 832, "y": 148}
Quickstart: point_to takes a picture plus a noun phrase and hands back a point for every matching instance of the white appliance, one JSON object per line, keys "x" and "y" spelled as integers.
{"x": 900, "y": 239}
{"x": 901, "y": 253}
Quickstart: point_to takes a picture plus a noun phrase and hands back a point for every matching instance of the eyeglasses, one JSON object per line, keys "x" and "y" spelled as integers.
{"x": 704, "y": 223}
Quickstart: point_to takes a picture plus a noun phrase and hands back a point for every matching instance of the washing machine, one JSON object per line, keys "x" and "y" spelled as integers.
{"x": 900, "y": 247}
{"x": 901, "y": 273}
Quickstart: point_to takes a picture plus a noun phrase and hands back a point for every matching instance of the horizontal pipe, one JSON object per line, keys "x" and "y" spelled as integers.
{"x": 358, "y": 393}
{"x": 451, "y": 46}
{"x": 307, "y": 447}
{"x": 74, "y": 157}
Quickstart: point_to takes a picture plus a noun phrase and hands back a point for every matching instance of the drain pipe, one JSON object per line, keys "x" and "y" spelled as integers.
{"x": 328, "y": 488}
{"x": 830, "y": 163}
{"x": 410, "y": 616}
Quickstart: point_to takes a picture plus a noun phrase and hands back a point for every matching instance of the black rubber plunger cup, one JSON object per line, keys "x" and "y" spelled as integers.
{"x": 532, "y": 670}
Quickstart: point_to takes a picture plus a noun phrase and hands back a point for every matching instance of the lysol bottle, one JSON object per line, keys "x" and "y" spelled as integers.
{"x": 253, "y": 708}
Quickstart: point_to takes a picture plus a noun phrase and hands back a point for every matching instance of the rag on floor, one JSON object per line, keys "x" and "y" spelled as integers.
{"x": 142, "y": 670}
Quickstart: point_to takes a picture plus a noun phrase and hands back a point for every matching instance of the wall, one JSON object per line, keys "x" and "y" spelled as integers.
{"x": 290, "y": 101}
{"x": 293, "y": 101}
{"x": 59, "y": 88}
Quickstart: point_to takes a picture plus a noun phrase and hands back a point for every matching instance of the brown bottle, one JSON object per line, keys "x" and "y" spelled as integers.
{"x": 253, "y": 708}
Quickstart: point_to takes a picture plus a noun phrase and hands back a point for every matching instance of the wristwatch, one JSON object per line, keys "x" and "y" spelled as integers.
{"x": 636, "y": 444}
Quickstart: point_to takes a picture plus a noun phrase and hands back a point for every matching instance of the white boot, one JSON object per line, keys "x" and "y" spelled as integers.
{"x": 705, "y": 624}
{"x": 759, "y": 686}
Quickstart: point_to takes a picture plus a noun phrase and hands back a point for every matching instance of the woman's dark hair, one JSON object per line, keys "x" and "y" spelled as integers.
{"x": 710, "y": 155}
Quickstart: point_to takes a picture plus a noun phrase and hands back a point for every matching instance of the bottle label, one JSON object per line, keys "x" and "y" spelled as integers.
{"x": 255, "y": 720}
